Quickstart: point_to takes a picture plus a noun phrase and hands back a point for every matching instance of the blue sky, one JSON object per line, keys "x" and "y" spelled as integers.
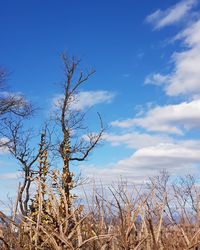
{"x": 146, "y": 55}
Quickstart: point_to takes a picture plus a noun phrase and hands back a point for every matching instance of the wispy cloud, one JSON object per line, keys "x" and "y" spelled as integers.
{"x": 156, "y": 79}
{"x": 184, "y": 78}
{"x": 86, "y": 99}
{"x": 3, "y": 148}
{"x": 9, "y": 176}
{"x": 136, "y": 140}
{"x": 174, "y": 14}
{"x": 174, "y": 119}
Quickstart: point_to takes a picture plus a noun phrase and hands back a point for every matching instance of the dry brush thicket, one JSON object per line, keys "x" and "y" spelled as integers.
{"x": 163, "y": 216}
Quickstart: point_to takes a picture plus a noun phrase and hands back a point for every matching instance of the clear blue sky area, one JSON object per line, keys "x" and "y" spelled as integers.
{"x": 110, "y": 36}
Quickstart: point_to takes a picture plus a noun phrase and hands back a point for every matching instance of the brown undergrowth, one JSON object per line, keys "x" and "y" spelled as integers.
{"x": 161, "y": 216}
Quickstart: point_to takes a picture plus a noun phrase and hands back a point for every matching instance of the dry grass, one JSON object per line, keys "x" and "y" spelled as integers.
{"x": 165, "y": 216}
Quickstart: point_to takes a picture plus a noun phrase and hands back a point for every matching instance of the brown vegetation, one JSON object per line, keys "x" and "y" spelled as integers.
{"x": 164, "y": 216}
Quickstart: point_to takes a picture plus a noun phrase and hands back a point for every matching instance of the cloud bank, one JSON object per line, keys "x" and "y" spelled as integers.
{"x": 148, "y": 161}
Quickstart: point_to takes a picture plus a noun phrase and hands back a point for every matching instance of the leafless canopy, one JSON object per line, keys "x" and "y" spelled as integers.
{"x": 12, "y": 107}
{"x": 76, "y": 143}
{"x": 12, "y": 102}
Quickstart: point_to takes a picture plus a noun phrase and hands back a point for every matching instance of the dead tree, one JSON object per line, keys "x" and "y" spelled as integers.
{"x": 12, "y": 105}
{"x": 21, "y": 147}
{"x": 160, "y": 187}
{"x": 76, "y": 144}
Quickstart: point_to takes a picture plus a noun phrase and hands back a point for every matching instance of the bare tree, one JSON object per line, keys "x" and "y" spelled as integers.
{"x": 11, "y": 102}
{"x": 12, "y": 106}
{"x": 76, "y": 143}
{"x": 21, "y": 146}
{"x": 160, "y": 185}
{"x": 2, "y": 76}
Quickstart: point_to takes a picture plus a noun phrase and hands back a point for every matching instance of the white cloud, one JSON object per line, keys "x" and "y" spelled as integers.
{"x": 174, "y": 14}
{"x": 156, "y": 79}
{"x": 9, "y": 176}
{"x": 86, "y": 99}
{"x": 135, "y": 140}
{"x": 185, "y": 77}
{"x": 191, "y": 34}
{"x": 169, "y": 119}
{"x": 148, "y": 161}
{"x": 3, "y": 148}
